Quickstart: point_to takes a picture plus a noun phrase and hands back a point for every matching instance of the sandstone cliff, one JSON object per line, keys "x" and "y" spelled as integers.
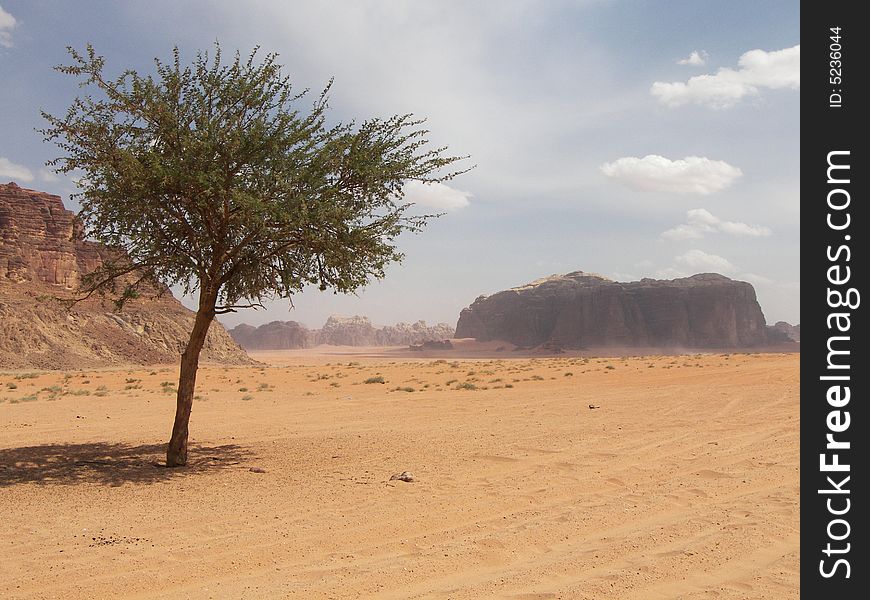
{"x": 277, "y": 335}
{"x": 337, "y": 331}
{"x": 584, "y": 310}
{"x": 43, "y": 256}
{"x": 789, "y": 331}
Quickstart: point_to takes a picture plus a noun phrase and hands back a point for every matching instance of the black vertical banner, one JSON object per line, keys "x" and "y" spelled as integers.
{"x": 834, "y": 264}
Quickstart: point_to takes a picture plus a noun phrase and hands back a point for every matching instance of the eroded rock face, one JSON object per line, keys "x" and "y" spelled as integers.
{"x": 43, "y": 256}
{"x": 584, "y": 310}
{"x": 791, "y": 332}
{"x": 277, "y": 335}
{"x": 41, "y": 241}
{"x": 337, "y": 331}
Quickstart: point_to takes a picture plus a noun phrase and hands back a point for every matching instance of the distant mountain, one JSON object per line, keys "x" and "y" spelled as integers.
{"x": 585, "y": 310}
{"x": 791, "y": 332}
{"x": 337, "y": 331}
{"x": 42, "y": 256}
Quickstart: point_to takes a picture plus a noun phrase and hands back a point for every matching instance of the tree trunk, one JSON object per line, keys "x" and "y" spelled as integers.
{"x": 176, "y": 453}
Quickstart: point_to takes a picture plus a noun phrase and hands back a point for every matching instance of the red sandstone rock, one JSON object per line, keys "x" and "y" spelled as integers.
{"x": 43, "y": 257}
{"x": 583, "y": 310}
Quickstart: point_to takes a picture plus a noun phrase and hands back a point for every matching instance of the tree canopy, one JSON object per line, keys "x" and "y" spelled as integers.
{"x": 209, "y": 176}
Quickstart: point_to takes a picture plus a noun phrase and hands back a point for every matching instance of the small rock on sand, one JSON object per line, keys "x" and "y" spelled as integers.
{"x": 403, "y": 476}
{"x": 257, "y": 470}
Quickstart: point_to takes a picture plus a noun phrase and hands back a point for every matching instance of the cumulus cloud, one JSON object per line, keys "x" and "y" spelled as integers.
{"x": 48, "y": 176}
{"x": 690, "y": 175}
{"x": 756, "y": 70}
{"x": 7, "y": 24}
{"x": 700, "y": 221}
{"x": 695, "y": 59}
{"x": 756, "y": 279}
{"x": 15, "y": 172}
{"x": 436, "y": 195}
{"x": 699, "y": 261}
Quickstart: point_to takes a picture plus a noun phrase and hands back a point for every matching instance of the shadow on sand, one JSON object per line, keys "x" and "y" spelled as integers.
{"x": 109, "y": 464}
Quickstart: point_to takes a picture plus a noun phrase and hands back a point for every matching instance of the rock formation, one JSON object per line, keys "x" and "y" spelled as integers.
{"x": 277, "y": 335}
{"x": 43, "y": 257}
{"x": 789, "y": 331}
{"x": 584, "y": 310}
{"x": 337, "y": 331}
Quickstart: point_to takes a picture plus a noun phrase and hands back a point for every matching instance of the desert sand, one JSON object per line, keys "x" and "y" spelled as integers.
{"x": 682, "y": 482}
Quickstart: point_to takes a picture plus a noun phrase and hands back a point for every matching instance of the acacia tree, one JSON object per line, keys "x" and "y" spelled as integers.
{"x": 207, "y": 176}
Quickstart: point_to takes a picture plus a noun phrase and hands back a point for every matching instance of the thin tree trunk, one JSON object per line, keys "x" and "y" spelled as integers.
{"x": 176, "y": 452}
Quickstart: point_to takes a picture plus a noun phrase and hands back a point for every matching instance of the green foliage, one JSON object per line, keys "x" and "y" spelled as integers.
{"x": 209, "y": 176}
{"x": 27, "y": 376}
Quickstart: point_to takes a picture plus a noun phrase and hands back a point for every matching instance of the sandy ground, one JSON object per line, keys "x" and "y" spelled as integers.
{"x": 682, "y": 483}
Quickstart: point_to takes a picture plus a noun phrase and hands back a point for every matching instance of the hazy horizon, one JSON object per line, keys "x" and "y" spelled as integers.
{"x": 621, "y": 138}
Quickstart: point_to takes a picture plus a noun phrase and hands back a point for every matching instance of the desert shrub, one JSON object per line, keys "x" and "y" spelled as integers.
{"x": 466, "y": 386}
{"x": 377, "y": 379}
{"x": 247, "y": 397}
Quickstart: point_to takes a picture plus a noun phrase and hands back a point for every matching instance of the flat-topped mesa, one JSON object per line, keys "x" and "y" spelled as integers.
{"x": 43, "y": 255}
{"x": 584, "y": 310}
{"x": 337, "y": 331}
{"x": 277, "y": 335}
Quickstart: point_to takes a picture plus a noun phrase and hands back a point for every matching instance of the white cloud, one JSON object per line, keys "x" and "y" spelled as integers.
{"x": 436, "y": 195}
{"x": 691, "y": 175}
{"x": 755, "y": 279}
{"x": 699, "y": 261}
{"x": 742, "y": 229}
{"x": 700, "y": 221}
{"x": 695, "y": 59}
{"x": 7, "y": 24}
{"x": 9, "y": 169}
{"x": 757, "y": 70}
{"x": 48, "y": 176}
{"x": 619, "y": 276}
{"x": 670, "y": 273}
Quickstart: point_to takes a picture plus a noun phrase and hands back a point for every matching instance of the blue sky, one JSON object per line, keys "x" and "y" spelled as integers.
{"x": 629, "y": 138}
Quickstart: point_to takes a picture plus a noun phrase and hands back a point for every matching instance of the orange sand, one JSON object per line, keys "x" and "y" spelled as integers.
{"x": 682, "y": 484}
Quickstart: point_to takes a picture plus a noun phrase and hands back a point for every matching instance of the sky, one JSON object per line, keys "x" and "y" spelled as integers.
{"x": 627, "y": 138}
